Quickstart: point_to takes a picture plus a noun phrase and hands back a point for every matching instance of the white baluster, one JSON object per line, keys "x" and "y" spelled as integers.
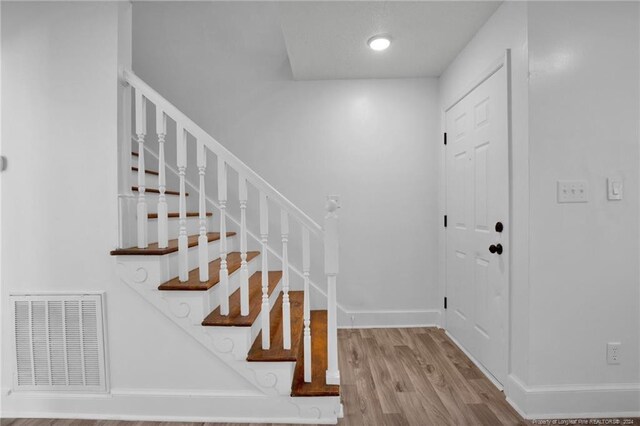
{"x": 141, "y": 130}
{"x": 331, "y": 271}
{"x": 306, "y": 265}
{"x": 264, "y": 235}
{"x": 183, "y": 248}
{"x": 224, "y": 272}
{"x": 244, "y": 269}
{"x": 286, "y": 308}
{"x": 163, "y": 215}
{"x": 203, "y": 241}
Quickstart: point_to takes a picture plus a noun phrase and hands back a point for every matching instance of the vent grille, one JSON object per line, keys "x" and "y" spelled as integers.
{"x": 59, "y": 342}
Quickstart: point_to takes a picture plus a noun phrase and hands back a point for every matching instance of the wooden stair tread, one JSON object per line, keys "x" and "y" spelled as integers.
{"x": 135, "y": 154}
{"x": 194, "y": 284}
{"x": 157, "y": 191}
{"x": 149, "y": 172}
{"x": 153, "y": 249}
{"x": 276, "y": 351}
{"x": 255, "y": 303}
{"x": 318, "y": 385}
{"x": 177, "y": 215}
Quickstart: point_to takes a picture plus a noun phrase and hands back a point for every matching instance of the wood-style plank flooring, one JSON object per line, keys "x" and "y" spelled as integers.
{"x": 405, "y": 376}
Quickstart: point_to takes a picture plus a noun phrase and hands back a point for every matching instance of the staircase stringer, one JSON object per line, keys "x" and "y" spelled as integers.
{"x": 142, "y": 276}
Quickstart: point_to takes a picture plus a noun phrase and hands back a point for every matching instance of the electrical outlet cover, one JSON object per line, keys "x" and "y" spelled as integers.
{"x": 572, "y": 191}
{"x": 613, "y": 352}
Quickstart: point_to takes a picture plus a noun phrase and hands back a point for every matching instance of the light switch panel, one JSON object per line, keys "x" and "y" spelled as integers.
{"x": 614, "y": 188}
{"x": 572, "y": 191}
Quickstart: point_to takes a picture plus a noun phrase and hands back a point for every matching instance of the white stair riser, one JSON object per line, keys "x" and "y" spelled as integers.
{"x": 202, "y": 303}
{"x": 193, "y": 227}
{"x": 151, "y": 162}
{"x": 275, "y": 375}
{"x": 243, "y": 337}
{"x": 173, "y": 201}
{"x": 150, "y": 180}
{"x": 257, "y": 324}
{"x": 169, "y": 263}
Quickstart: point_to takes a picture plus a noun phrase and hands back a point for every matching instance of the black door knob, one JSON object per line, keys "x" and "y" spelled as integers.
{"x": 499, "y": 227}
{"x": 496, "y": 248}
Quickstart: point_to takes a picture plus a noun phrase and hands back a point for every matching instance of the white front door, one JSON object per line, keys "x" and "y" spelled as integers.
{"x": 477, "y": 170}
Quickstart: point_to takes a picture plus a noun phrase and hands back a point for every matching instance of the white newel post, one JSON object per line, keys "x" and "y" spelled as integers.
{"x": 264, "y": 235}
{"x": 286, "y": 306}
{"x": 306, "y": 266}
{"x": 203, "y": 241}
{"x": 163, "y": 215}
{"x": 183, "y": 248}
{"x": 222, "y": 201}
{"x": 141, "y": 130}
{"x": 331, "y": 271}
{"x": 244, "y": 269}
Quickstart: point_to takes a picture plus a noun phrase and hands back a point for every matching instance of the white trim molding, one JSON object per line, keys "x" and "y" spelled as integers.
{"x": 166, "y": 405}
{"x": 573, "y": 401}
{"x": 389, "y": 318}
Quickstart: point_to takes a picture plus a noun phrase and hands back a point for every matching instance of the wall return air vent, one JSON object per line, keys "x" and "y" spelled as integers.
{"x": 59, "y": 343}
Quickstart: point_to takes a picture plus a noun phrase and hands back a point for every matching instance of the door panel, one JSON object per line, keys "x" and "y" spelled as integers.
{"x": 477, "y": 178}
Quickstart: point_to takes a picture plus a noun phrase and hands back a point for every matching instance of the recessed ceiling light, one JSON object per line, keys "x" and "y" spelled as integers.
{"x": 379, "y": 42}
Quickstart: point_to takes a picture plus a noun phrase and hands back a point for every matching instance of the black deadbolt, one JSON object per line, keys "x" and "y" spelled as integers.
{"x": 496, "y": 248}
{"x": 499, "y": 227}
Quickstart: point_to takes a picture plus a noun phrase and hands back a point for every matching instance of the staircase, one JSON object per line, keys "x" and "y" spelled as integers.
{"x": 227, "y": 287}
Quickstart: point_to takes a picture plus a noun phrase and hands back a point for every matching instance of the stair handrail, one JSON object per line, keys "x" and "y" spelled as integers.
{"x": 210, "y": 142}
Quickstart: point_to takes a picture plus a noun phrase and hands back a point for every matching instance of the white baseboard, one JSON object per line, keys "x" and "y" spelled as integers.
{"x": 172, "y": 406}
{"x": 567, "y": 401}
{"x": 574, "y": 401}
{"x": 389, "y": 319}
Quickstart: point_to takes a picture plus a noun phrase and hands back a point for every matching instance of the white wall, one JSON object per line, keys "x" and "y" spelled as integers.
{"x": 59, "y": 209}
{"x": 574, "y": 283}
{"x": 374, "y": 142}
{"x": 584, "y": 94}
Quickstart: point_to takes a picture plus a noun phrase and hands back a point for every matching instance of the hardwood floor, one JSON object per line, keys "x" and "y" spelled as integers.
{"x": 401, "y": 376}
{"x": 415, "y": 376}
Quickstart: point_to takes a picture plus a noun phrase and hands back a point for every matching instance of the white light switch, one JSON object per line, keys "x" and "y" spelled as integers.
{"x": 614, "y": 188}
{"x": 572, "y": 191}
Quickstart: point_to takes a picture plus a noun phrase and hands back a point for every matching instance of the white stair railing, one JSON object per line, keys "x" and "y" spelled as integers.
{"x": 331, "y": 270}
{"x": 244, "y": 268}
{"x": 163, "y": 212}
{"x": 264, "y": 235}
{"x": 203, "y": 240}
{"x": 222, "y": 202}
{"x": 183, "y": 246}
{"x": 306, "y": 316}
{"x": 141, "y": 130}
{"x": 267, "y": 194}
{"x": 286, "y": 307}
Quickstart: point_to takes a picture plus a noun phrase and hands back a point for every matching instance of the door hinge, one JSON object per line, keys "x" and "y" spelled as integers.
{"x": 445, "y": 138}
{"x": 445, "y": 220}
{"x": 445, "y": 302}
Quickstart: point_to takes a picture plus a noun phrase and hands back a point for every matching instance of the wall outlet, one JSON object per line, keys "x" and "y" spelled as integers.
{"x": 613, "y": 352}
{"x": 572, "y": 191}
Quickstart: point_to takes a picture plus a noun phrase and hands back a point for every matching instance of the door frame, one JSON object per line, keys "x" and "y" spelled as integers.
{"x": 504, "y": 61}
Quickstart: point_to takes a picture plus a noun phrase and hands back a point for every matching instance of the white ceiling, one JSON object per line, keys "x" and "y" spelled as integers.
{"x": 328, "y": 40}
